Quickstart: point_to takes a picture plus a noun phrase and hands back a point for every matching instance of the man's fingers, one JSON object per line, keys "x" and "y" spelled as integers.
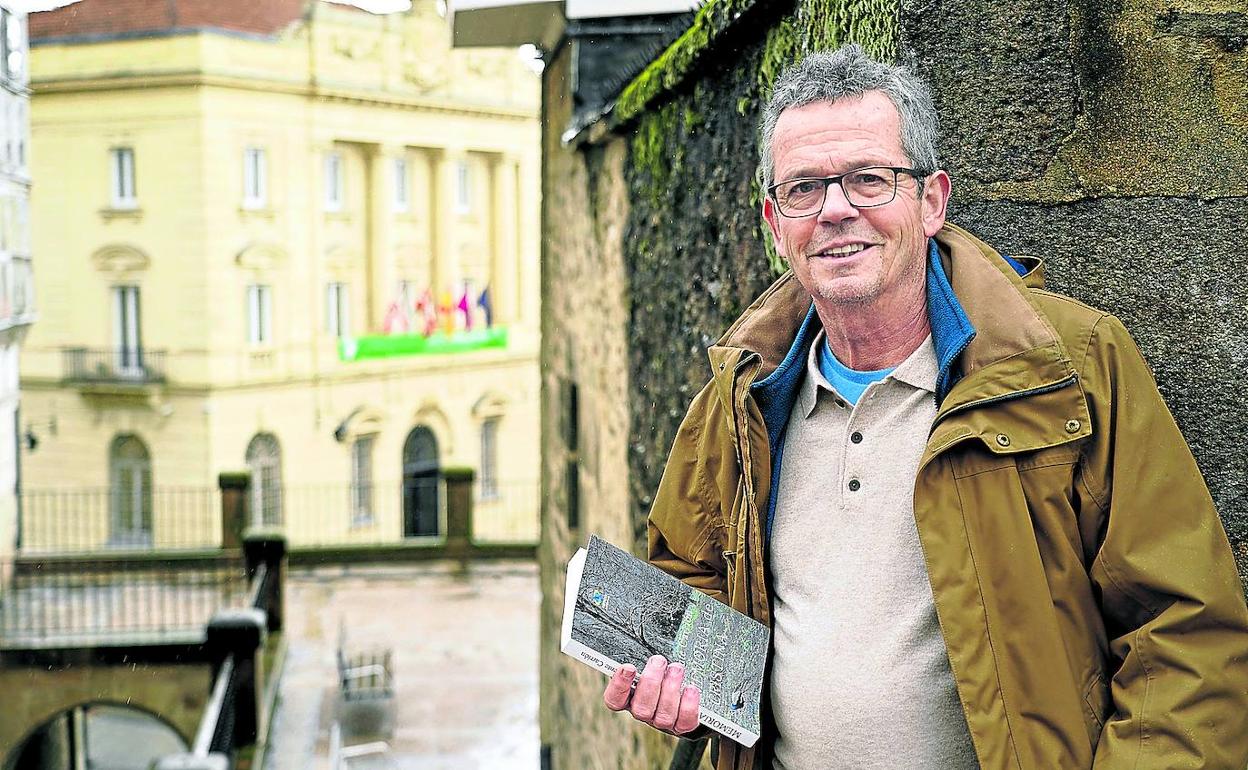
{"x": 690, "y": 697}
{"x": 668, "y": 707}
{"x": 620, "y": 687}
{"x": 646, "y": 696}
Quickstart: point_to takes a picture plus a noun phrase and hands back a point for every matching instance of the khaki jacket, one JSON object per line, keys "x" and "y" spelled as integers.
{"x": 1083, "y": 581}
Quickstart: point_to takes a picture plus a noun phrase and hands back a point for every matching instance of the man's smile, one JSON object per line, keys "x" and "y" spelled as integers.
{"x": 842, "y": 251}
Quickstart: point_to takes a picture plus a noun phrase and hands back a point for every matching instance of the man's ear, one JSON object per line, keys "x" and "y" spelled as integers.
{"x": 772, "y": 216}
{"x": 935, "y": 202}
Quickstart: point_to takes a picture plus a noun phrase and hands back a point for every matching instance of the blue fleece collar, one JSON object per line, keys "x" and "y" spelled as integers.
{"x": 952, "y": 331}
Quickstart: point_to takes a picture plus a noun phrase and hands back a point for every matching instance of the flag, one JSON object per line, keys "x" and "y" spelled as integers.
{"x": 427, "y": 313}
{"x": 465, "y": 307}
{"x": 483, "y": 302}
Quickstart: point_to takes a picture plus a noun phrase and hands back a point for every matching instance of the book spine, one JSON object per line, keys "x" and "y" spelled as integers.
{"x": 712, "y": 720}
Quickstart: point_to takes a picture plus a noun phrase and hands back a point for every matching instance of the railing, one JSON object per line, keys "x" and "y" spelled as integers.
{"x": 398, "y": 511}
{"x": 112, "y": 365}
{"x": 98, "y": 520}
{"x": 509, "y": 514}
{"x": 94, "y": 519}
{"x": 61, "y": 602}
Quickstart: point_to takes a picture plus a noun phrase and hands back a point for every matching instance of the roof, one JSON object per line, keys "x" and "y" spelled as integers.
{"x": 96, "y": 19}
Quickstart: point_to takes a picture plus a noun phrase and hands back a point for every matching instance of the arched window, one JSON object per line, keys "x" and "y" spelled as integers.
{"x": 264, "y": 460}
{"x": 130, "y": 492}
{"x": 421, "y": 477}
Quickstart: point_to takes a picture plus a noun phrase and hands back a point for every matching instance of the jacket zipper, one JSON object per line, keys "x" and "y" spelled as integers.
{"x": 1071, "y": 380}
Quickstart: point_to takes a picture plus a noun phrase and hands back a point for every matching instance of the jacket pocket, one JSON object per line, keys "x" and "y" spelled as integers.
{"x": 1096, "y": 705}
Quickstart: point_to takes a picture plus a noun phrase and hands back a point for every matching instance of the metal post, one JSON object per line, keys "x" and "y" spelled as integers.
{"x": 458, "y": 511}
{"x": 234, "y": 501}
{"x": 240, "y": 634}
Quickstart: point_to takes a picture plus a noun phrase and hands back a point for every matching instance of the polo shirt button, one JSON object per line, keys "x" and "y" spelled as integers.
{"x": 855, "y": 437}
{"x": 854, "y": 485}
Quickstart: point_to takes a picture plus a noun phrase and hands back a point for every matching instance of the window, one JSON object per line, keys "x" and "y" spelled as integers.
{"x": 333, "y": 182}
{"x": 124, "y": 194}
{"x": 14, "y": 48}
{"x": 489, "y": 458}
{"x": 362, "y": 480}
{"x": 130, "y": 492}
{"x": 401, "y": 202}
{"x": 571, "y": 429}
{"x": 255, "y": 179}
{"x": 259, "y": 314}
{"x": 129, "y": 350}
{"x": 337, "y": 310}
{"x": 264, "y": 460}
{"x": 463, "y": 188}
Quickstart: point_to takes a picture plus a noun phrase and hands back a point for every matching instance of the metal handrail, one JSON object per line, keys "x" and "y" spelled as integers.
{"x": 257, "y": 586}
{"x": 212, "y": 711}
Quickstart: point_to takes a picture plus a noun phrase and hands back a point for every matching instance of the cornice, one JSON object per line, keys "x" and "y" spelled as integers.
{"x": 315, "y": 90}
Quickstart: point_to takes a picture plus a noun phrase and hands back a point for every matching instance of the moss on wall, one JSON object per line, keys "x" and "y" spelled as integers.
{"x": 695, "y": 246}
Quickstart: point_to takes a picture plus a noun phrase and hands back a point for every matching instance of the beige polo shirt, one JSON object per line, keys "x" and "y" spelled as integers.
{"x": 860, "y": 675}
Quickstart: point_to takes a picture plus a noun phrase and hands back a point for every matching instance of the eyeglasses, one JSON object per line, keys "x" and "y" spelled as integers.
{"x": 863, "y": 188}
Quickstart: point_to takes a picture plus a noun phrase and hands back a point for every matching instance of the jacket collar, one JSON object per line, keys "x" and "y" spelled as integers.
{"x": 991, "y": 339}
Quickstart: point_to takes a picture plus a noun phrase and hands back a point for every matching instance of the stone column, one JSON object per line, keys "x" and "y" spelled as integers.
{"x": 504, "y": 254}
{"x": 381, "y": 286}
{"x": 442, "y": 218}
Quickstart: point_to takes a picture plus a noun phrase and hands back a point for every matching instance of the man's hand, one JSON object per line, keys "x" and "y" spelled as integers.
{"x": 661, "y": 699}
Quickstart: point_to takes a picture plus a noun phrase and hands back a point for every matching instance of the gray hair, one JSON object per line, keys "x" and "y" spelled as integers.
{"x": 829, "y": 76}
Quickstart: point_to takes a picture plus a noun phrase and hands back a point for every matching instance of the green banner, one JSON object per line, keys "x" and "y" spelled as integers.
{"x": 398, "y": 345}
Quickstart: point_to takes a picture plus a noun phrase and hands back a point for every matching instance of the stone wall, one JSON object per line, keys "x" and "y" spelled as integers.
{"x": 1108, "y": 138}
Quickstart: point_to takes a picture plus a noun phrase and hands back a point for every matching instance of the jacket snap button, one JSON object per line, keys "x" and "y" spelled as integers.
{"x": 1003, "y": 439}
{"x": 855, "y": 437}
{"x": 1072, "y": 426}
{"x": 721, "y": 366}
{"x": 854, "y": 485}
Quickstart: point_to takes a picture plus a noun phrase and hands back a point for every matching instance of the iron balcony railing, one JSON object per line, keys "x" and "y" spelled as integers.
{"x": 114, "y": 365}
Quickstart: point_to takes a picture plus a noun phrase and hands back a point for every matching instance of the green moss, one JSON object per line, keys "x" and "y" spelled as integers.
{"x": 675, "y": 63}
{"x": 658, "y": 148}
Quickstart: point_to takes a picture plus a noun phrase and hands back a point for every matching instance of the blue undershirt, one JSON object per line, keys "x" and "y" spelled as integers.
{"x": 850, "y": 383}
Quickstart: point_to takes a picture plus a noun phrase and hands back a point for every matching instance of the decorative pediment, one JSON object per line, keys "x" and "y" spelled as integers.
{"x": 362, "y": 421}
{"x": 261, "y": 256}
{"x": 120, "y": 258}
{"x": 430, "y": 415}
{"x": 490, "y": 405}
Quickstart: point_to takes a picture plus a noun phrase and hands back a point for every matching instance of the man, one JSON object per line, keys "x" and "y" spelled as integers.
{"x": 957, "y": 499}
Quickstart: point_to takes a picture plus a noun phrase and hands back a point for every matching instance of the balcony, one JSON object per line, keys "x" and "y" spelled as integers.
{"x": 112, "y": 366}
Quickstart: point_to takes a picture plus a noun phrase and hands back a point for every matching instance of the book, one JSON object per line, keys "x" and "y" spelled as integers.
{"x": 619, "y": 609}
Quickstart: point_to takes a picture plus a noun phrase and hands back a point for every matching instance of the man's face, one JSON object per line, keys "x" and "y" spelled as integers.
{"x": 843, "y": 255}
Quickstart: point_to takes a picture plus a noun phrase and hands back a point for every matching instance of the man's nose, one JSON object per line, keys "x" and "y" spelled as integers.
{"x": 836, "y": 207}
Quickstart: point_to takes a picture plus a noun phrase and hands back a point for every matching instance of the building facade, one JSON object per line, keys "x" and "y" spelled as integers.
{"x": 17, "y": 299}
{"x": 294, "y": 238}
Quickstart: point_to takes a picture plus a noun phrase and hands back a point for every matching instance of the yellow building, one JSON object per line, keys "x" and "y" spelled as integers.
{"x": 291, "y": 237}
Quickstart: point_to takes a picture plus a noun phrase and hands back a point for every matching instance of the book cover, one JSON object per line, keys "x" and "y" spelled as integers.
{"x": 619, "y": 609}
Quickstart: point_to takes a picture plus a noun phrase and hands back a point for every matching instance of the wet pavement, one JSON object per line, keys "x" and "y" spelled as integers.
{"x": 464, "y": 659}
